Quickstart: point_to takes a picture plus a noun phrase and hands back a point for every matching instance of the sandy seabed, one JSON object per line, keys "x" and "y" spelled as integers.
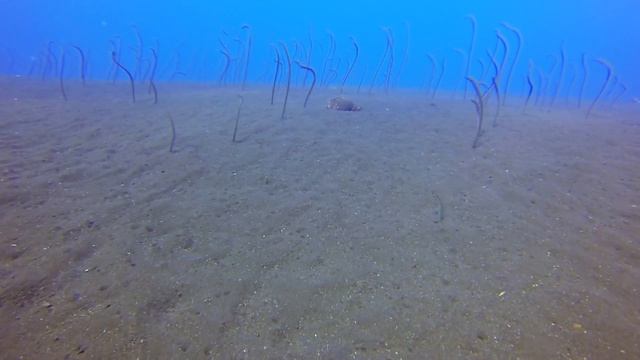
{"x": 378, "y": 234}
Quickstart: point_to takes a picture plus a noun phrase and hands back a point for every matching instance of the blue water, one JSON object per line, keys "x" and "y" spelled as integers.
{"x": 186, "y": 38}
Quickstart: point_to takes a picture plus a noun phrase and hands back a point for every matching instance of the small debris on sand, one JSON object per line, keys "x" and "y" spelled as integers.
{"x": 342, "y": 104}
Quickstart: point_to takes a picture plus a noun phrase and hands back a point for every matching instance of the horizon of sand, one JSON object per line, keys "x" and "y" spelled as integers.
{"x": 371, "y": 235}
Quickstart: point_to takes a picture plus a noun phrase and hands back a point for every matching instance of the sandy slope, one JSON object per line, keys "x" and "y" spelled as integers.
{"x": 317, "y": 236}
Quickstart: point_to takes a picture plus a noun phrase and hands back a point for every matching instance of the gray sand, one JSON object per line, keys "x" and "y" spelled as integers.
{"x": 377, "y": 234}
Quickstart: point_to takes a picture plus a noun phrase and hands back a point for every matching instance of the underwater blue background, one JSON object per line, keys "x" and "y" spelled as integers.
{"x": 601, "y": 29}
